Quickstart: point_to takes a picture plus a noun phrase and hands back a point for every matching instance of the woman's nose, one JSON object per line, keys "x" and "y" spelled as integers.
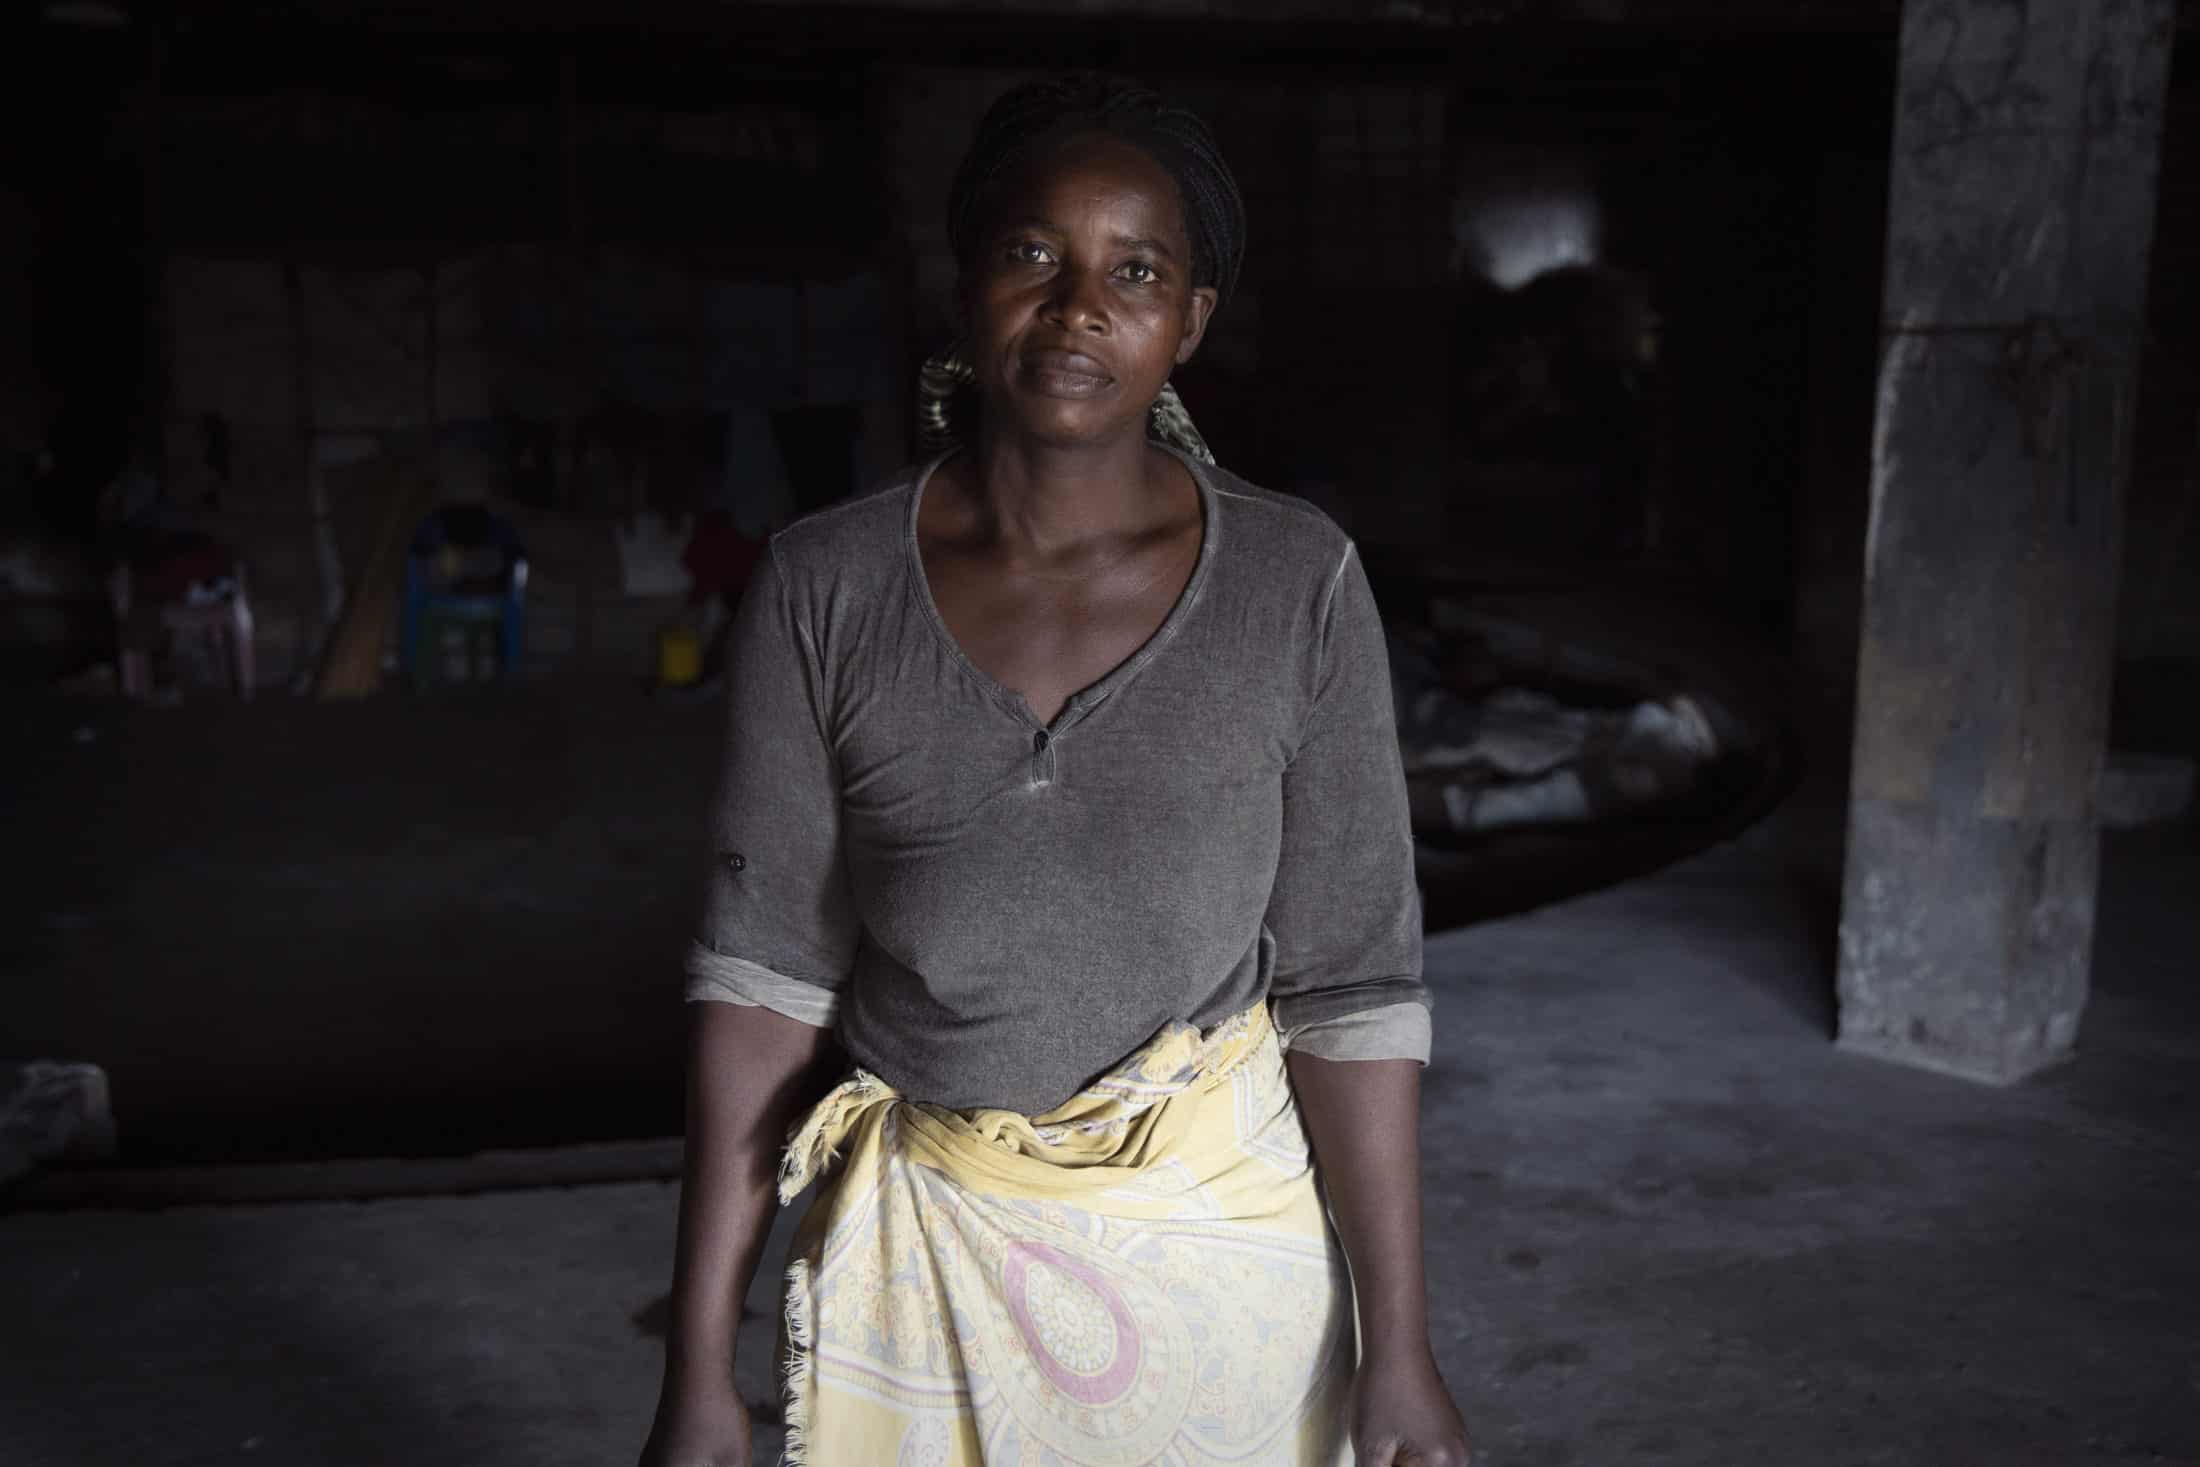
{"x": 1077, "y": 302}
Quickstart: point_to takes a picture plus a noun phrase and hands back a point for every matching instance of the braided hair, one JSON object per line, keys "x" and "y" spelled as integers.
{"x": 1025, "y": 119}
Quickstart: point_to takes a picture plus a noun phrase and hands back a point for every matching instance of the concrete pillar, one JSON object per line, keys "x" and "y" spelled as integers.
{"x": 2020, "y": 208}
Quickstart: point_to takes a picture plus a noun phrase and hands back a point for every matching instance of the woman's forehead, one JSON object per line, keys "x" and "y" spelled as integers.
{"x": 1076, "y": 173}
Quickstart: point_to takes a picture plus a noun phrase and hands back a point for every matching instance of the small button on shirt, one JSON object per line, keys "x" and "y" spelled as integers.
{"x": 993, "y": 911}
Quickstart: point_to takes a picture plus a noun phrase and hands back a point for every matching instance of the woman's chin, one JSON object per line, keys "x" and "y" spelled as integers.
{"x": 1071, "y": 422}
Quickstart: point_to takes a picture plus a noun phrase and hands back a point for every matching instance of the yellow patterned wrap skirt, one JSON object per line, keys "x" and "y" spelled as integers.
{"x": 1144, "y": 1275}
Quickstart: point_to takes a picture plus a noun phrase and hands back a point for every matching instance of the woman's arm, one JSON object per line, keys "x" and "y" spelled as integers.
{"x": 751, "y": 1073}
{"x": 1363, "y": 1117}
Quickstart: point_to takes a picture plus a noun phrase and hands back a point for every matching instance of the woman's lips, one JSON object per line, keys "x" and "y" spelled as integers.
{"x": 1066, "y": 374}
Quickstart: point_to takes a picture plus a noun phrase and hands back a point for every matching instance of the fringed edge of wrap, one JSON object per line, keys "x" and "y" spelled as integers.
{"x": 797, "y": 1370}
{"x": 810, "y": 1151}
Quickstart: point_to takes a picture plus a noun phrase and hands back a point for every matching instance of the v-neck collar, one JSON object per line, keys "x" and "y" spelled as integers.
{"x": 1092, "y": 695}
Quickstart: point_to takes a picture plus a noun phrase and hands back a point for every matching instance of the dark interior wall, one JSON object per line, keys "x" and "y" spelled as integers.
{"x": 2160, "y": 604}
{"x": 1740, "y": 174}
{"x": 386, "y": 144}
{"x": 23, "y": 395}
{"x": 582, "y": 216}
{"x": 1725, "y": 217}
{"x": 1832, "y": 487}
{"x": 24, "y": 401}
{"x": 1332, "y": 372}
{"x": 1744, "y": 179}
{"x": 70, "y": 160}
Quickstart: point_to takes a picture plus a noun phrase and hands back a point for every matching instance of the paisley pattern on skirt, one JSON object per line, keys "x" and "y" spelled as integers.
{"x": 1144, "y": 1275}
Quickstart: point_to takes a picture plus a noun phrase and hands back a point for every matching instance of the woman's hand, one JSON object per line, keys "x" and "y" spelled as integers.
{"x": 699, "y": 1431}
{"x": 1403, "y": 1417}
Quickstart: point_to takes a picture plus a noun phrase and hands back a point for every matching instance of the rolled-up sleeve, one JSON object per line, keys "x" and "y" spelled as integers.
{"x": 1345, "y": 913}
{"x": 779, "y": 925}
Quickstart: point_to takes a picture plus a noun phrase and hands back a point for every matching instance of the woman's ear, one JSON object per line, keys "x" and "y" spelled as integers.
{"x": 1198, "y": 309}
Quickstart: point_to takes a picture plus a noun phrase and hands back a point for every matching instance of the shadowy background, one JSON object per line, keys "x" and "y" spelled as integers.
{"x": 1569, "y": 318}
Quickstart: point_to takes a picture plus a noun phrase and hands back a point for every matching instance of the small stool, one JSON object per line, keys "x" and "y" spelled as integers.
{"x": 463, "y": 614}
{"x": 223, "y": 620}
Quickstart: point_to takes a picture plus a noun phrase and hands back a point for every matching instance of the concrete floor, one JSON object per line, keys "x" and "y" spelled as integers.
{"x": 1669, "y": 1224}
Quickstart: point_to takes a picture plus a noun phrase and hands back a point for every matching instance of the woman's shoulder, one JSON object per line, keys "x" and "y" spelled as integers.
{"x": 854, "y": 540}
{"x": 1278, "y": 530}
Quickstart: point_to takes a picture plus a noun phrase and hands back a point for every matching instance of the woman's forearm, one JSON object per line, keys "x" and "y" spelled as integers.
{"x": 751, "y": 1073}
{"x": 1363, "y": 1117}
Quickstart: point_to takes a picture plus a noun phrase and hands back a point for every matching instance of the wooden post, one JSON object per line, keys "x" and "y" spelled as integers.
{"x": 2022, "y": 201}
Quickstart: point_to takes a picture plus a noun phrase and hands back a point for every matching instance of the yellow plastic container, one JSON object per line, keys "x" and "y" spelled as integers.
{"x": 679, "y": 656}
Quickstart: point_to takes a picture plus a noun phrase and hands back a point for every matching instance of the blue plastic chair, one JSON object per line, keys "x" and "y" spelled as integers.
{"x": 465, "y": 581}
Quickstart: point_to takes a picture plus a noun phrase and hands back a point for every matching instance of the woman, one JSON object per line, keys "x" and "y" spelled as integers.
{"x": 1057, "y": 766}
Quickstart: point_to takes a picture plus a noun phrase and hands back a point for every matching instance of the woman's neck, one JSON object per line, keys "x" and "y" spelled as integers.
{"x": 1050, "y": 500}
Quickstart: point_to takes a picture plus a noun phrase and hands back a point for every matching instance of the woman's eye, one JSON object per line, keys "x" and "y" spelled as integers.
{"x": 1138, "y": 272}
{"x": 1029, "y": 252}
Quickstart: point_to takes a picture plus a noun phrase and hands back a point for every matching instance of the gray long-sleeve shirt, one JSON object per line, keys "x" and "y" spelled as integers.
{"x": 995, "y": 911}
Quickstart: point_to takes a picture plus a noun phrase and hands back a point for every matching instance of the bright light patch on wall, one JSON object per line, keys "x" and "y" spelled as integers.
{"x": 1510, "y": 240}
{"x": 1520, "y": 208}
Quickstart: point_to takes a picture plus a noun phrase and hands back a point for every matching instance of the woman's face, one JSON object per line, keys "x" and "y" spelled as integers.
{"x": 1078, "y": 299}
